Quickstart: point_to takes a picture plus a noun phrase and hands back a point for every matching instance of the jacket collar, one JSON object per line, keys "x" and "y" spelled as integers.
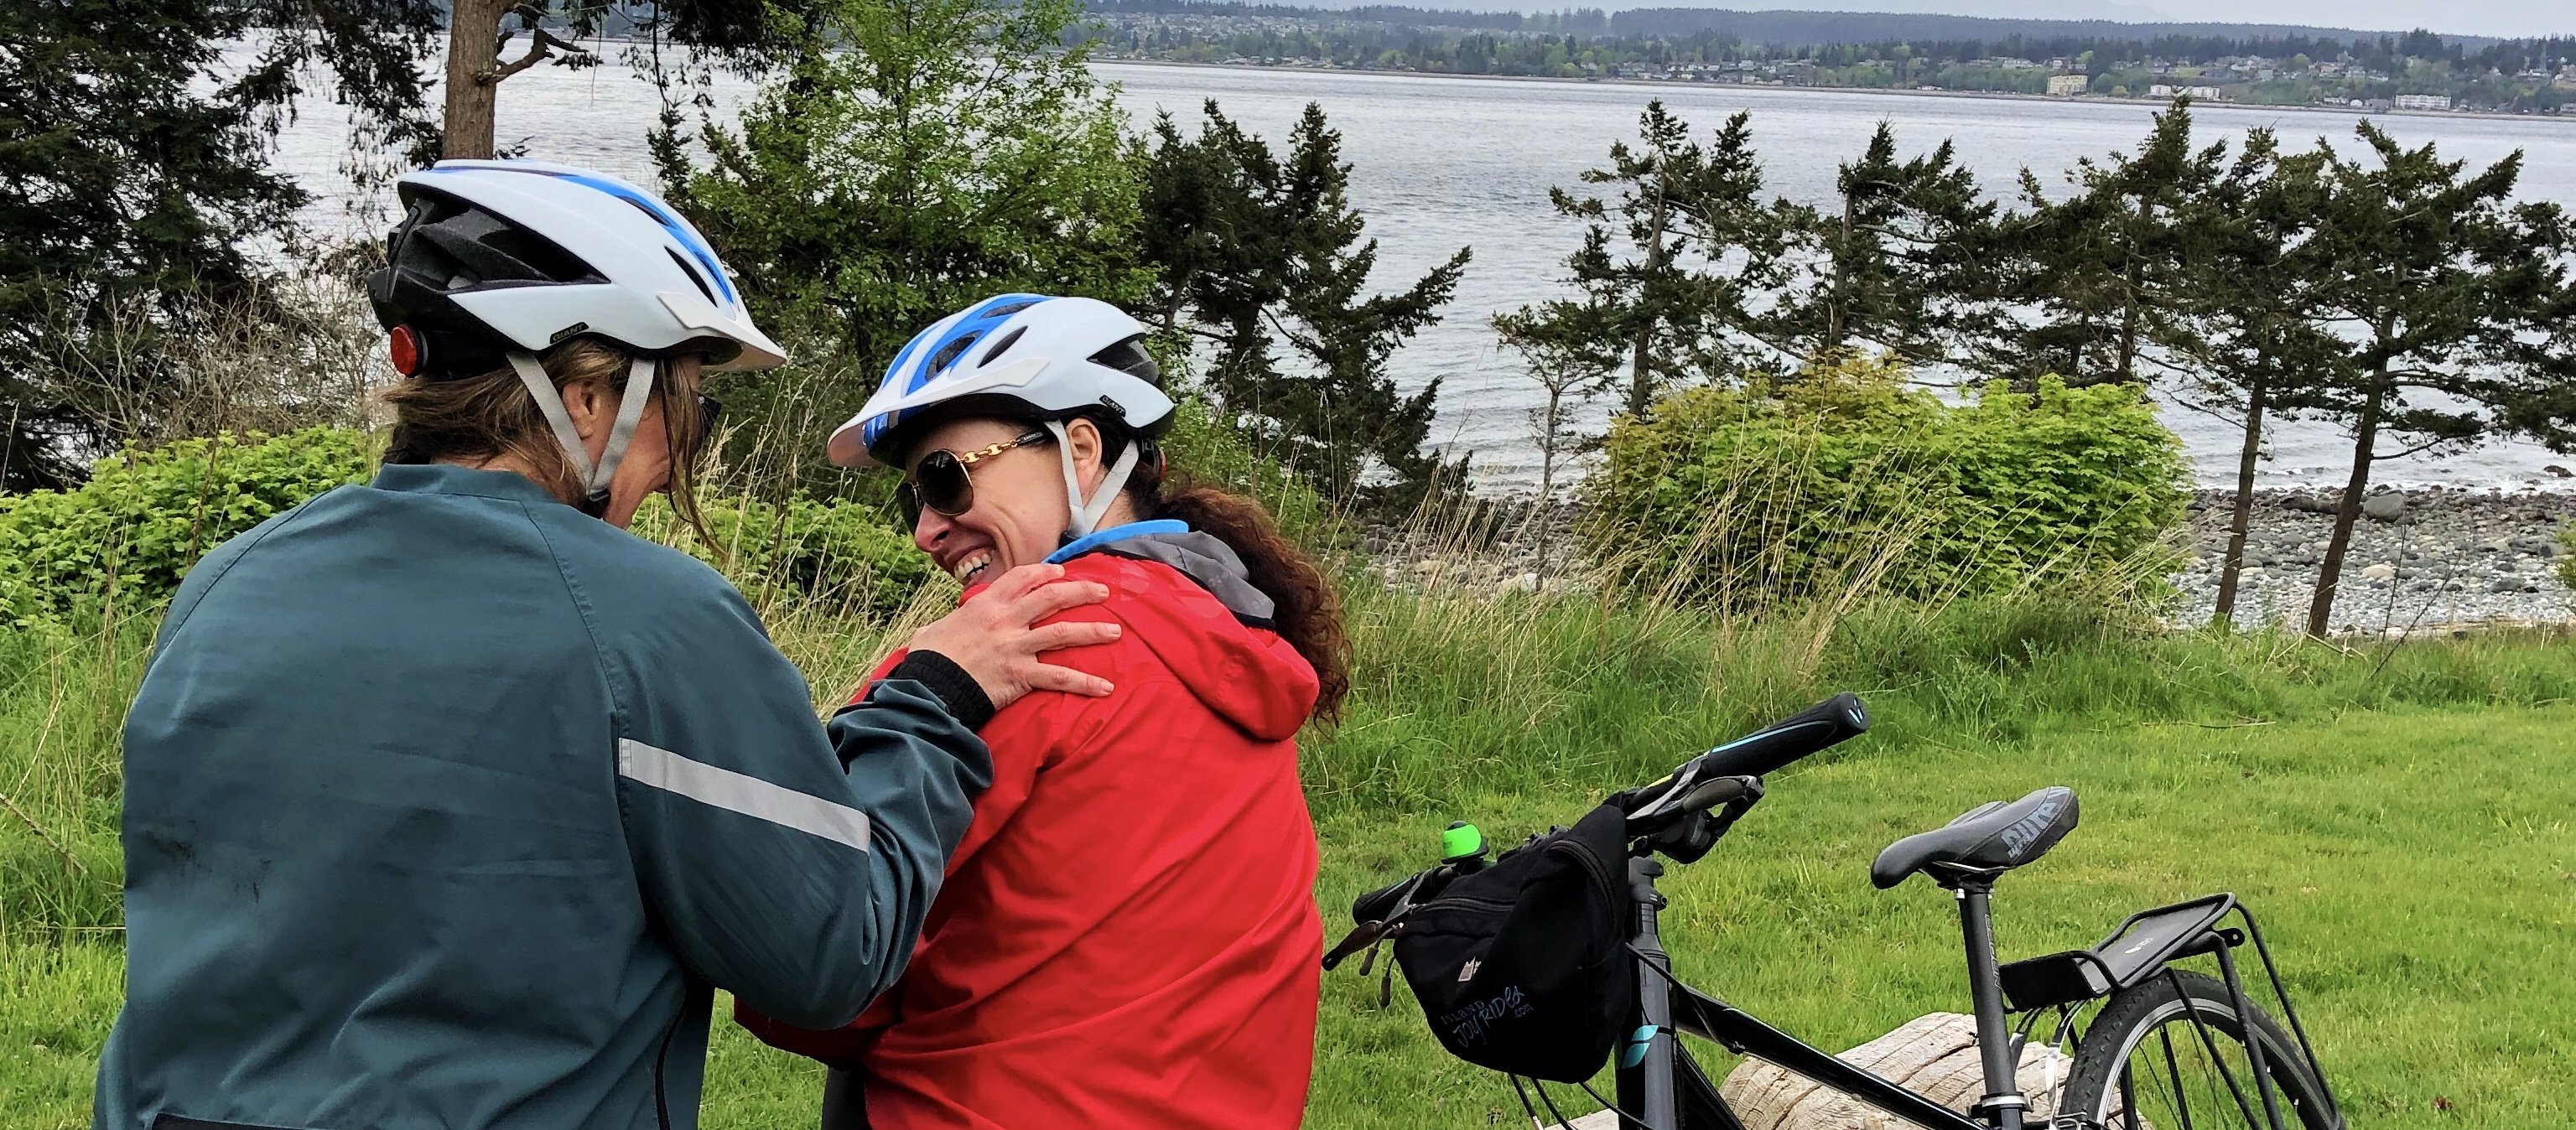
{"x": 1200, "y": 557}
{"x": 448, "y": 478}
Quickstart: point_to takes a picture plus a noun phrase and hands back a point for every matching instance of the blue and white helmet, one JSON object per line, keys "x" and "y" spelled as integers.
{"x": 497, "y": 261}
{"x": 524, "y": 255}
{"x": 1040, "y": 357}
{"x": 1022, "y": 355}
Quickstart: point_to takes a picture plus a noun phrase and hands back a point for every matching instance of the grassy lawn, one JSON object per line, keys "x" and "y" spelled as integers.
{"x": 2417, "y": 869}
{"x": 2401, "y": 820}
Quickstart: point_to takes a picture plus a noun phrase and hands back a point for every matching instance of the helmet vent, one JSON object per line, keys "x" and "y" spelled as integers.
{"x": 949, "y": 353}
{"x": 692, "y": 272}
{"x": 640, "y": 206}
{"x": 1129, "y": 357}
{"x": 1007, "y": 309}
{"x": 1003, "y": 346}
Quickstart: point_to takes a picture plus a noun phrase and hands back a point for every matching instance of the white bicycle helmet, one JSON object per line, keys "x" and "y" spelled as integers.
{"x": 1022, "y": 356}
{"x": 496, "y": 261}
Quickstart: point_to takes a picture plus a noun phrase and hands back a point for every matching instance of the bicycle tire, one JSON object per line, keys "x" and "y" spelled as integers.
{"x": 2134, "y": 1014}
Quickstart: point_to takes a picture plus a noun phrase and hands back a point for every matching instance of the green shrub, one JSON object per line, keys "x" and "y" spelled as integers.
{"x": 2567, "y": 560}
{"x": 146, "y": 515}
{"x": 1849, "y": 479}
{"x": 1204, "y": 451}
{"x": 823, "y": 556}
{"x": 131, "y": 532}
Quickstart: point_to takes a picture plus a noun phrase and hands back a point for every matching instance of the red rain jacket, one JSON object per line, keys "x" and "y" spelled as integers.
{"x": 1127, "y": 937}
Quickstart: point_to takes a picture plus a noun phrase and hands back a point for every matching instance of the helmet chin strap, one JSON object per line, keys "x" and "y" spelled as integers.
{"x": 1086, "y": 515}
{"x": 630, "y": 411}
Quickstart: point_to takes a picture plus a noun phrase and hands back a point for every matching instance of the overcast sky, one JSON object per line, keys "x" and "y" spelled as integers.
{"x": 2458, "y": 17}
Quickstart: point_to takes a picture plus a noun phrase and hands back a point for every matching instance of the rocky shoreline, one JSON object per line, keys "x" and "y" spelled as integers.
{"x": 2424, "y": 561}
{"x": 2421, "y": 561}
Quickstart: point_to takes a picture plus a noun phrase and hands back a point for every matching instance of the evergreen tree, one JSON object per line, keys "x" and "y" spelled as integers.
{"x": 2252, "y": 342}
{"x": 912, "y": 157}
{"x": 131, "y": 195}
{"x": 1267, "y": 261}
{"x": 2101, "y": 270}
{"x": 1206, "y": 232}
{"x": 1689, "y": 296}
{"x": 2450, "y": 300}
{"x": 1900, "y": 266}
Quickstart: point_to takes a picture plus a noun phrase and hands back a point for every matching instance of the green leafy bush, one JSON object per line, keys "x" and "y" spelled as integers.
{"x": 833, "y": 556}
{"x": 2567, "y": 559}
{"x": 131, "y": 532}
{"x": 1850, "y": 480}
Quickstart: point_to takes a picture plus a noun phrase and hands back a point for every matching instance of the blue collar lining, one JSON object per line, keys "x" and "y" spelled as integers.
{"x": 1097, "y": 538}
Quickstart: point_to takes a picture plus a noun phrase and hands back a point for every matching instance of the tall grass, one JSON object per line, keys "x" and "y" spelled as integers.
{"x": 63, "y": 696}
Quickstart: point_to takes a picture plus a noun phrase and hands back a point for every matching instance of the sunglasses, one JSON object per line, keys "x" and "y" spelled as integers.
{"x": 940, "y": 482}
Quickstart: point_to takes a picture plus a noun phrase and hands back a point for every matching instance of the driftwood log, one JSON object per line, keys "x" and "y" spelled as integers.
{"x": 1934, "y": 1055}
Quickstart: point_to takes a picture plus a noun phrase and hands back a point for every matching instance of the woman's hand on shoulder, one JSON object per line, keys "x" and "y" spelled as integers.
{"x": 996, "y": 637}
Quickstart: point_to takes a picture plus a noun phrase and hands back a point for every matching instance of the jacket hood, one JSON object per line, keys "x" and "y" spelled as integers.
{"x": 1188, "y": 598}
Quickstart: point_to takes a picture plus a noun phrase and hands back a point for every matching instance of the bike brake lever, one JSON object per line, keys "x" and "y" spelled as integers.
{"x": 1711, "y": 794}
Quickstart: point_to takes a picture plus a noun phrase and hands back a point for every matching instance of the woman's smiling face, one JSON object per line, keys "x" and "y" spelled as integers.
{"x": 1019, "y": 512}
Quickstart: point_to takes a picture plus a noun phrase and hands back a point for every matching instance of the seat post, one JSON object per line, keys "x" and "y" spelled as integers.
{"x": 2003, "y": 1104}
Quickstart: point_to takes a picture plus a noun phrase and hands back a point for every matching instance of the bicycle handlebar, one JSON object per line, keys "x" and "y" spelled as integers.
{"x": 1813, "y": 730}
{"x": 1702, "y": 782}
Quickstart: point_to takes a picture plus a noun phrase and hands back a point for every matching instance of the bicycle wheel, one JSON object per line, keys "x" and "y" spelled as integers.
{"x": 2144, "y": 1064}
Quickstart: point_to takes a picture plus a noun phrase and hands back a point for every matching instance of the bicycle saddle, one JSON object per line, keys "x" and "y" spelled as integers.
{"x": 1991, "y": 837}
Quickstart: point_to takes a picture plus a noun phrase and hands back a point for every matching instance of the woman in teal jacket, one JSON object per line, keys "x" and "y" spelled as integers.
{"x": 448, "y": 803}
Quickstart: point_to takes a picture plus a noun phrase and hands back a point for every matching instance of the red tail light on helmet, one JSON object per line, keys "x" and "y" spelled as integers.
{"x": 408, "y": 351}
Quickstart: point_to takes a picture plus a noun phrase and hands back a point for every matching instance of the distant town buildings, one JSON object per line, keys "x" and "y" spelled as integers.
{"x": 1579, "y": 44}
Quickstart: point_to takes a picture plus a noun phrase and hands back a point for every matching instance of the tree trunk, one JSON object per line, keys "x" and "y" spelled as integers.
{"x": 2127, "y": 371}
{"x": 473, "y": 59}
{"x": 2365, "y": 437}
{"x": 1641, "y": 386}
{"x": 1547, "y": 442}
{"x": 1834, "y": 329}
{"x": 2243, "y": 517}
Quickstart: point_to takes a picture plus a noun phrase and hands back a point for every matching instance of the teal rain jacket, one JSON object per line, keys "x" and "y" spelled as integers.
{"x": 445, "y": 805}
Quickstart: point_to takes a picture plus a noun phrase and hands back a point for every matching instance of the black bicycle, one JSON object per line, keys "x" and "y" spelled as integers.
{"x": 2153, "y": 1045}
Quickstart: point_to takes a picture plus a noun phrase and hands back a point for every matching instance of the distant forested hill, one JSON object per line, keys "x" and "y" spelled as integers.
{"x": 1800, "y": 29}
{"x": 1777, "y": 29}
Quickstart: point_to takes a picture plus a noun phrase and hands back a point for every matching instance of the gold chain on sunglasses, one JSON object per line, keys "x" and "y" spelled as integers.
{"x": 970, "y": 458}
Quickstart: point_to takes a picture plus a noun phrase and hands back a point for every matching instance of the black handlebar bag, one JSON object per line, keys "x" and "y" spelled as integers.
{"x": 1523, "y": 967}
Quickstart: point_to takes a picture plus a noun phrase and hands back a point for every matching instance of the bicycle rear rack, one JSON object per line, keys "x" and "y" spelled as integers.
{"x": 2145, "y": 945}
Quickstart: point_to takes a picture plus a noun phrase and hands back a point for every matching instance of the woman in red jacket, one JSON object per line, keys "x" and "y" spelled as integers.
{"x": 1127, "y": 937}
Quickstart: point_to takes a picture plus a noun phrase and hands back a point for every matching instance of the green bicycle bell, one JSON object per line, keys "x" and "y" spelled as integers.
{"x": 1460, "y": 842}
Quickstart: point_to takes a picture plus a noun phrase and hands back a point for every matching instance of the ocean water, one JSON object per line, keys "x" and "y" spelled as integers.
{"x": 1440, "y": 163}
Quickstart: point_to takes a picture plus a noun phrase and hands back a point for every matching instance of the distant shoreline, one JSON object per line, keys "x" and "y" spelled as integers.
{"x": 1991, "y": 95}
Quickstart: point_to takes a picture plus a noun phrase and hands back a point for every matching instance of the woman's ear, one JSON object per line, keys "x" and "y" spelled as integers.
{"x": 1084, "y": 440}
{"x": 592, "y": 411}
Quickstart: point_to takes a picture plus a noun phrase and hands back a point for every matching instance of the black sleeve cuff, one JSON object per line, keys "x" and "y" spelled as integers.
{"x": 950, "y": 682}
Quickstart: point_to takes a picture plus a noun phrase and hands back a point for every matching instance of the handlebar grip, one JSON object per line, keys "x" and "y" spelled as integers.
{"x": 1813, "y": 730}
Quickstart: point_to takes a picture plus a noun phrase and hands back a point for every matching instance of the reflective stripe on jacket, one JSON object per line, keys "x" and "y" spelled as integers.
{"x": 446, "y": 804}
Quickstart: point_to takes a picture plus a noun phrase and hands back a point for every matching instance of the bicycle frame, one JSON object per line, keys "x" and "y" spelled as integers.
{"x": 1651, "y": 1087}
{"x": 1657, "y": 1084}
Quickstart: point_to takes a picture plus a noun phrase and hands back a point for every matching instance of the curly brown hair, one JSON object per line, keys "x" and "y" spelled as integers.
{"x": 1309, "y": 609}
